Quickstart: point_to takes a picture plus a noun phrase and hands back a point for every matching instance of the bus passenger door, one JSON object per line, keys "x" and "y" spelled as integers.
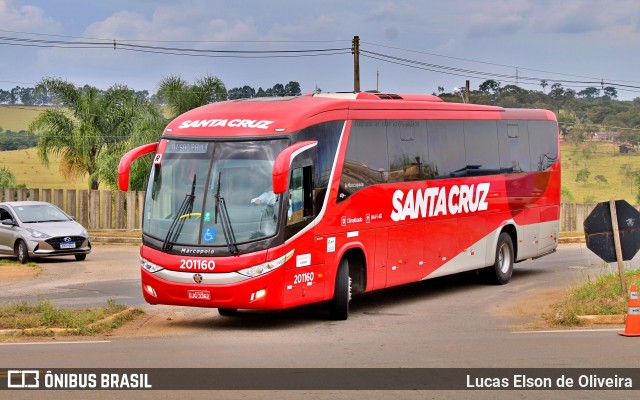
{"x": 405, "y": 257}
{"x": 304, "y": 277}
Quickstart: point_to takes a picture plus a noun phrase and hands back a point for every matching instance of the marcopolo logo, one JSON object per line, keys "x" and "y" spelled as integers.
{"x": 234, "y": 123}
{"x": 436, "y": 201}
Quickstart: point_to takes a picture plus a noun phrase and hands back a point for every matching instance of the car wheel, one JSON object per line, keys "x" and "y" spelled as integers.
{"x": 228, "y": 312}
{"x": 80, "y": 257}
{"x": 22, "y": 252}
{"x": 339, "y": 305}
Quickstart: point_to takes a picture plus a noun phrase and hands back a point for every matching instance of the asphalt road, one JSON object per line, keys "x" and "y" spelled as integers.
{"x": 452, "y": 322}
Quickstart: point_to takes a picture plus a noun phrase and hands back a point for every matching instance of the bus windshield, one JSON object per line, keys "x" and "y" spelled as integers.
{"x": 213, "y": 193}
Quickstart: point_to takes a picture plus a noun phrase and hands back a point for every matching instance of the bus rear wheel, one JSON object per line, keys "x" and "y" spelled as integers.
{"x": 339, "y": 305}
{"x": 502, "y": 269}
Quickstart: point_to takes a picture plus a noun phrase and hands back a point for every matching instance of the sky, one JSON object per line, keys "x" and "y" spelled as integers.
{"x": 406, "y": 46}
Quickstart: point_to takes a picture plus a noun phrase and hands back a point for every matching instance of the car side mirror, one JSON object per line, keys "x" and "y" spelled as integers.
{"x": 8, "y": 222}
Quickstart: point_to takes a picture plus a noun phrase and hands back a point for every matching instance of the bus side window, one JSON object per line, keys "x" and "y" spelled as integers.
{"x": 300, "y": 195}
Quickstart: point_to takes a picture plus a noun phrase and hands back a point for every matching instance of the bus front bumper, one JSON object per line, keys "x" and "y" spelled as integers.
{"x": 226, "y": 290}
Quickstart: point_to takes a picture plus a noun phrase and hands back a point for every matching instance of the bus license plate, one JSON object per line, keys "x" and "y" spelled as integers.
{"x": 199, "y": 295}
{"x": 68, "y": 245}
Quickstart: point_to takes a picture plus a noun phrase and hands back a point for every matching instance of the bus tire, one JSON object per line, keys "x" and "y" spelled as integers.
{"x": 339, "y": 305}
{"x": 228, "y": 312}
{"x": 502, "y": 269}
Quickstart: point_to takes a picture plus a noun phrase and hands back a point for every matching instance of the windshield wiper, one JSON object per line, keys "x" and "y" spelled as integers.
{"x": 176, "y": 225}
{"x": 227, "y": 229}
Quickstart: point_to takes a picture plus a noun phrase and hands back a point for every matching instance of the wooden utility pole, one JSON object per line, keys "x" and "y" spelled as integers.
{"x": 466, "y": 93}
{"x": 356, "y": 63}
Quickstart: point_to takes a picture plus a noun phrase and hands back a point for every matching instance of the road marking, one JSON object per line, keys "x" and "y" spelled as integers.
{"x": 41, "y": 343}
{"x": 572, "y": 330}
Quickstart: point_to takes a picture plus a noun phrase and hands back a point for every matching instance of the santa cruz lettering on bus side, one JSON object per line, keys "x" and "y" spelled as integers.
{"x": 435, "y": 201}
{"x": 234, "y": 123}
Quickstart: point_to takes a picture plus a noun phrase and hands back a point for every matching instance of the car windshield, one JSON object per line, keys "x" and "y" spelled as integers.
{"x": 213, "y": 193}
{"x": 40, "y": 213}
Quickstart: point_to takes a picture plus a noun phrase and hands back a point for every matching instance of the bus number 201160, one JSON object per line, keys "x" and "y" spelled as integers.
{"x": 199, "y": 265}
{"x": 303, "y": 278}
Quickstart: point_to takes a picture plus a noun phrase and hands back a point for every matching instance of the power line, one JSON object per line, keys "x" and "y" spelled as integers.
{"x": 483, "y": 75}
{"x": 115, "y": 44}
{"x": 498, "y": 65}
{"x": 180, "y": 41}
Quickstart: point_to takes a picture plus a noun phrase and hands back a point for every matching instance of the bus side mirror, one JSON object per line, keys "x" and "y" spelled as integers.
{"x": 282, "y": 164}
{"x": 125, "y": 163}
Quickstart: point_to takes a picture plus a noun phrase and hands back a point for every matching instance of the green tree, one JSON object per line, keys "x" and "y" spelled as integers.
{"x": 583, "y": 175}
{"x": 601, "y": 179}
{"x": 7, "y": 178}
{"x": 544, "y": 84}
{"x": 88, "y": 123}
{"x": 181, "y": 97}
{"x": 147, "y": 128}
{"x": 567, "y": 196}
{"x": 292, "y": 89}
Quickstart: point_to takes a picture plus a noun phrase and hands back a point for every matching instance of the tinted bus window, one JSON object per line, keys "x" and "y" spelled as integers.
{"x": 481, "y": 148}
{"x": 407, "y": 143}
{"x": 446, "y": 148}
{"x": 543, "y": 144}
{"x": 513, "y": 138}
{"x": 323, "y": 155}
{"x": 366, "y": 161}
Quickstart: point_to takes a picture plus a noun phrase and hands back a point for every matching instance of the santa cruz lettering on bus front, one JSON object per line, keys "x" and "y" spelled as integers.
{"x": 234, "y": 123}
{"x": 436, "y": 201}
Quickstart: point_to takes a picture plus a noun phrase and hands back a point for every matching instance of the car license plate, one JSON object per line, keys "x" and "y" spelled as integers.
{"x": 68, "y": 245}
{"x": 199, "y": 295}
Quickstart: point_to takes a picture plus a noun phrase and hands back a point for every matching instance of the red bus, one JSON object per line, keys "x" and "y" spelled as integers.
{"x": 271, "y": 203}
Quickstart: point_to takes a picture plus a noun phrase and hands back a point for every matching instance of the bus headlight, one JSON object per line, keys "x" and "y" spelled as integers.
{"x": 266, "y": 267}
{"x": 149, "y": 266}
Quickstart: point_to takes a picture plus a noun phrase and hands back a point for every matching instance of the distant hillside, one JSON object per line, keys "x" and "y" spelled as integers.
{"x": 28, "y": 170}
{"x": 17, "y": 118}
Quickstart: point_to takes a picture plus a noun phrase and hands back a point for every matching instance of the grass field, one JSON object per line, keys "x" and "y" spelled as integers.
{"x": 28, "y": 170}
{"x": 600, "y": 158}
{"x": 17, "y": 118}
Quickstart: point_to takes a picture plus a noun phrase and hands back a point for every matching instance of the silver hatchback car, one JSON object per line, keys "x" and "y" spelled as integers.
{"x": 30, "y": 229}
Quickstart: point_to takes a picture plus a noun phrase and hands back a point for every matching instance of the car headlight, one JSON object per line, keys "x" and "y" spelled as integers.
{"x": 37, "y": 234}
{"x": 269, "y": 266}
{"x": 149, "y": 266}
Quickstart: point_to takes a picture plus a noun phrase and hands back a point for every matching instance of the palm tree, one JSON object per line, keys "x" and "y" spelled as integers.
{"x": 89, "y": 122}
{"x": 148, "y": 128}
{"x": 182, "y": 97}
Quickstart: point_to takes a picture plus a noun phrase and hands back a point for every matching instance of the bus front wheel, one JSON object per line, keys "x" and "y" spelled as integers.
{"x": 502, "y": 269}
{"x": 339, "y": 305}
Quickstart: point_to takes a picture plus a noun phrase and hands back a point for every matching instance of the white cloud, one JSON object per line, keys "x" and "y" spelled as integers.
{"x": 172, "y": 23}
{"x": 25, "y": 18}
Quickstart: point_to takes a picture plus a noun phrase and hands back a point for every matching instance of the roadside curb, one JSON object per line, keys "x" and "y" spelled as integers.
{"x": 115, "y": 240}
{"x": 567, "y": 240}
{"x": 64, "y": 331}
